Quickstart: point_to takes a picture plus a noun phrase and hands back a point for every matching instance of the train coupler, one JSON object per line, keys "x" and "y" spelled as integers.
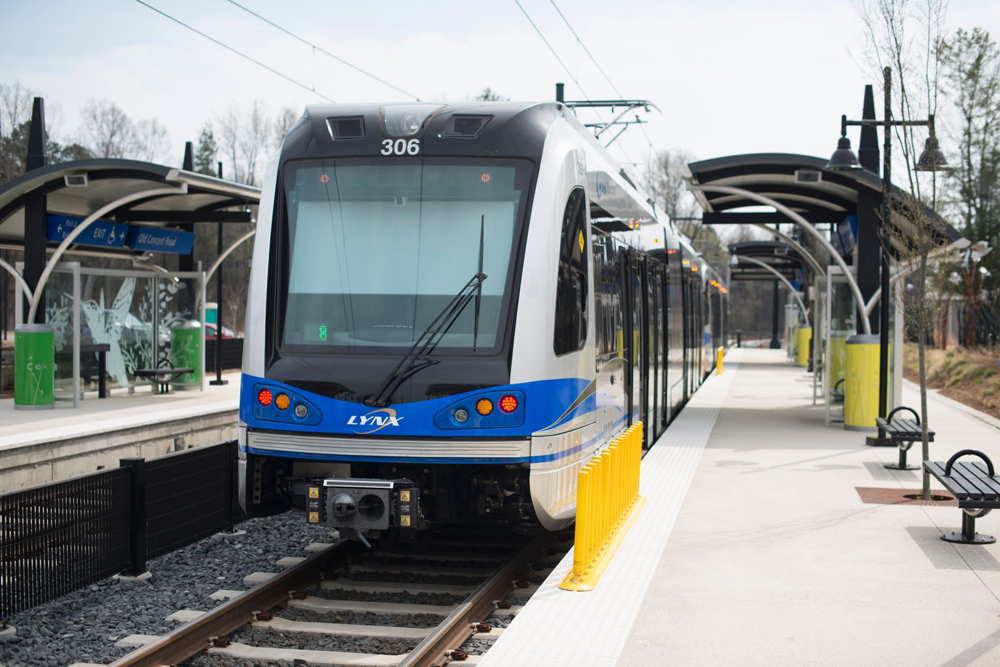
{"x": 356, "y": 507}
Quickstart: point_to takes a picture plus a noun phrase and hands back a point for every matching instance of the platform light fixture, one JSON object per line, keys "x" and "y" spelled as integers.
{"x": 844, "y": 158}
{"x": 932, "y": 159}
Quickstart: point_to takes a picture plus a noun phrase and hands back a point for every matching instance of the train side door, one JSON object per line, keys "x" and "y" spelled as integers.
{"x": 628, "y": 340}
{"x": 661, "y": 347}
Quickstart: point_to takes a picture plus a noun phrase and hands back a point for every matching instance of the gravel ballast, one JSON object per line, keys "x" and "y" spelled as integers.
{"x": 84, "y": 626}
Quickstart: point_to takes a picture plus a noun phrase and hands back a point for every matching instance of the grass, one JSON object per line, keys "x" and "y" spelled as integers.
{"x": 971, "y": 377}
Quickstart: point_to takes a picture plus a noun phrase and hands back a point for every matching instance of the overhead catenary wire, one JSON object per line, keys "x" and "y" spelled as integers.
{"x": 575, "y": 80}
{"x": 322, "y": 50}
{"x": 236, "y": 51}
{"x": 607, "y": 78}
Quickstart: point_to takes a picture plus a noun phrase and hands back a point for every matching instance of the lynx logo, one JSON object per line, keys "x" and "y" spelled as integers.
{"x": 374, "y": 418}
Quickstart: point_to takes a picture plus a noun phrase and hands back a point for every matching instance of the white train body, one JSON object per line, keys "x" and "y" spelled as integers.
{"x": 587, "y": 317}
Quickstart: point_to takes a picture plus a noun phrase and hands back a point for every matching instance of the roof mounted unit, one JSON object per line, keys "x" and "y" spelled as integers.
{"x": 808, "y": 176}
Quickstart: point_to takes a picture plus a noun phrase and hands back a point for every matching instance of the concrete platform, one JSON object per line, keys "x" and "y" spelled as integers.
{"x": 38, "y": 446}
{"x": 770, "y": 557}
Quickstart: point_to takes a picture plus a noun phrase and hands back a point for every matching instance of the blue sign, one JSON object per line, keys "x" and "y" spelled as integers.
{"x": 847, "y": 234}
{"x": 161, "y": 239}
{"x": 100, "y": 233}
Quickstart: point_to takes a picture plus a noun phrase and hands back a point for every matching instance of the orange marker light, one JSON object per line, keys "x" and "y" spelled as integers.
{"x": 508, "y": 403}
{"x": 281, "y": 401}
{"x": 264, "y": 397}
{"x": 484, "y": 406}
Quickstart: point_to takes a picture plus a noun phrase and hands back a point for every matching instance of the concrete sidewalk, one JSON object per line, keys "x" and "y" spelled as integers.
{"x": 775, "y": 560}
{"x": 38, "y": 446}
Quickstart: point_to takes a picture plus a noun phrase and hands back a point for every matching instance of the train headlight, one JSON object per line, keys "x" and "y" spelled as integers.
{"x": 484, "y": 406}
{"x": 301, "y": 411}
{"x": 281, "y": 401}
{"x": 406, "y": 120}
{"x": 461, "y": 415}
{"x": 264, "y": 397}
{"x": 508, "y": 404}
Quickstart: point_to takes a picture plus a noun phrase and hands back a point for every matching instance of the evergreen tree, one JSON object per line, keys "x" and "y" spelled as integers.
{"x": 204, "y": 155}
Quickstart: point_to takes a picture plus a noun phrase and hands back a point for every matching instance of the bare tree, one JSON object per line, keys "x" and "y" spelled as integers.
{"x": 914, "y": 237}
{"x": 242, "y": 138}
{"x": 907, "y": 37}
{"x": 107, "y": 129}
{"x": 487, "y": 94}
{"x": 152, "y": 140}
{"x": 283, "y": 122}
{"x": 665, "y": 183}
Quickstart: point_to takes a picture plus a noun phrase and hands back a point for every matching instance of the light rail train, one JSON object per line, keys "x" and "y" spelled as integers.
{"x": 452, "y": 308}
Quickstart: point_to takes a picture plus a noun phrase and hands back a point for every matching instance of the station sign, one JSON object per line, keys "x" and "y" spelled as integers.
{"x": 161, "y": 239}
{"x": 101, "y": 233}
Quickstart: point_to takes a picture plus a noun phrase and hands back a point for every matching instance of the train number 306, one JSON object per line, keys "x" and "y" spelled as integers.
{"x": 400, "y": 147}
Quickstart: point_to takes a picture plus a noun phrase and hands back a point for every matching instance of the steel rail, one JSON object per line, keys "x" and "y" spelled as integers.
{"x": 194, "y": 637}
{"x": 458, "y": 626}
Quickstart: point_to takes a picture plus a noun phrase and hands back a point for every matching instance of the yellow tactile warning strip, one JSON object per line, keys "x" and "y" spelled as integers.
{"x": 559, "y": 627}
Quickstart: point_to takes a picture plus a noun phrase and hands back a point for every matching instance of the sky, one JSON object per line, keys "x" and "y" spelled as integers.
{"x": 729, "y": 77}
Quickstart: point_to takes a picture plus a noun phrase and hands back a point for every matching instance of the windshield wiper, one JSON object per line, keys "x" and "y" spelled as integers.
{"x": 479, "y": 287}
{"x": 445, "y": 319}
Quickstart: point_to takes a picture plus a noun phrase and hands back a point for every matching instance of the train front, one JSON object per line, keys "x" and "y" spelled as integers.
{"x": 376, "y": 392}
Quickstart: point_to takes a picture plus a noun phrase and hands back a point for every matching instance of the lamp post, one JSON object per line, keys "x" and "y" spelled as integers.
{"x": 931, "y": 159}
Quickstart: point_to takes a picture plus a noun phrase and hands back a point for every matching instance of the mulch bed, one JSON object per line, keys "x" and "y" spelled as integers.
{"x": 876, "y": 496}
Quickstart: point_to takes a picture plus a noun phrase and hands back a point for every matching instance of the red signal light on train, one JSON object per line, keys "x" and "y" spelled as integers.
{"x": 485, "y": 178}
{"x": 264, "y": 397}
{"x": 324, "y": 179}
{"x": 508, "y": 403}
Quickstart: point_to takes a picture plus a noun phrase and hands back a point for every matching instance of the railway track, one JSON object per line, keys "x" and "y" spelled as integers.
{"x": 282, "y": 617}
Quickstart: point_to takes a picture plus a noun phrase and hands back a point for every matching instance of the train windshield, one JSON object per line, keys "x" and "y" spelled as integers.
{"x": 375, "y": 249}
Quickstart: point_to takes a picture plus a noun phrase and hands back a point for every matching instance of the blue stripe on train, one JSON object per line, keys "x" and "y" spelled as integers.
{"x": 544, "y": 402}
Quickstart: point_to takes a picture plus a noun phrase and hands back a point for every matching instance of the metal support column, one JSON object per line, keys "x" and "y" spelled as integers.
{"x": 775, "y": 343}
{"x": 36, "y": 209}
{"x": 218, "y": 312}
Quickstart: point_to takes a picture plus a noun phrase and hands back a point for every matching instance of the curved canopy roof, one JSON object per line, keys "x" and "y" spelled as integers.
{"x": 82, "y": 187}
{"x": 800, "y": 182}
{"x": 779, "y": 256}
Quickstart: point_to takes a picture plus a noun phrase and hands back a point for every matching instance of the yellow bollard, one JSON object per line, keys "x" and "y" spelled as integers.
{"x": 582, "y": 537}
{"x": 607, "y": 503}
{"x": 718, "y": 360}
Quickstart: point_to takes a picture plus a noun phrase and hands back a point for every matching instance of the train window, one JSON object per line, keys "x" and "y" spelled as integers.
{"x": 377, "y": 250}
{"x": 571, "y": 285}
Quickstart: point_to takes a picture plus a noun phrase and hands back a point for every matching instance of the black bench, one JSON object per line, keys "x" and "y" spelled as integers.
{"x": 838, "y": 391}
{"x": 976, "y": 488}
{"x": 903, "y": 432}
{"x": 102, "y": 350}
{"x": 163, "y": 375}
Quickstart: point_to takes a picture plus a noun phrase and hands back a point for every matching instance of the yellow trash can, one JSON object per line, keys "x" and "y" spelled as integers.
{"x": 861, "y": 386}
{"x": 803, "y": 336}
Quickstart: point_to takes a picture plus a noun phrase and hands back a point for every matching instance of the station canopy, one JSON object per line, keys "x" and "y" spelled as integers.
{"x": 781, "y": 257}
{"x": 79, "y": 189}
{"x": 803, "y": 184}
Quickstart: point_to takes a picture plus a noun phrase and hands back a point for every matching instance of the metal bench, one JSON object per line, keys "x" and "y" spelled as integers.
{"x": 162, "y": 375}
{"x": 903, "y": 432}
{"x": 838, "y": 391}
{"x": 976, "y": 488}
{"x": 102, "y": 350}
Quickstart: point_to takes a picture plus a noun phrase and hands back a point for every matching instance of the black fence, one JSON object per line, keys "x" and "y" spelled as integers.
{"x": 62, "y": 536}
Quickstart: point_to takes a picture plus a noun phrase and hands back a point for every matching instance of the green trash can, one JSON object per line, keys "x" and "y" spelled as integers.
{"x": 185, "y": 351}
{"x": 34, "y": 367}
